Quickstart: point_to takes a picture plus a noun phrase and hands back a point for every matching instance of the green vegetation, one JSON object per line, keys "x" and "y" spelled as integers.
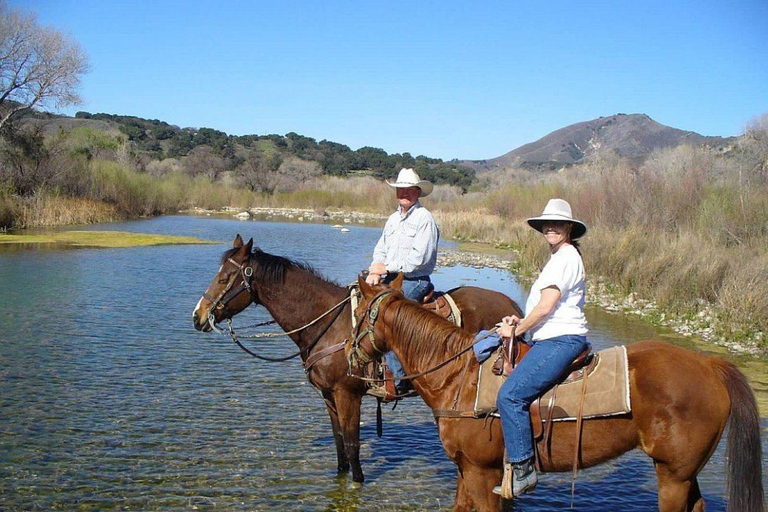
{"x": 255, "y": 160}
{"x": 104, "y": 239}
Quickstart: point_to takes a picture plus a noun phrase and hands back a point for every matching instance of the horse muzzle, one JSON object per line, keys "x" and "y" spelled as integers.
{"x": 201, "y": 324}
{"x": 201, "y": 316}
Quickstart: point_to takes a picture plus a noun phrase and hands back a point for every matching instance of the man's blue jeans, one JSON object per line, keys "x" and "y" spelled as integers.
{"x": 542, "y": 367}
{"x": 415, "y": 288}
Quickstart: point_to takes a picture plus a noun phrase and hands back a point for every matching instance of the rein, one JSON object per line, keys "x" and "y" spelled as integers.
{"x": 362, "y": 358}
{"x": 236, "y": 338}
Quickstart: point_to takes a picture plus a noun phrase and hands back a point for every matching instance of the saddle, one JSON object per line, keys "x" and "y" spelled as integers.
{"x": 443, "y": 305}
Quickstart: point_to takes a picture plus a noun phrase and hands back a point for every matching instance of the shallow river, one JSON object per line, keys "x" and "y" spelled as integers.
{"x": 110, "y": 400}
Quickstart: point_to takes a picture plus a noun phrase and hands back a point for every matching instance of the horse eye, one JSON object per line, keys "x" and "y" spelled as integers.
{"x": 223, "y": 279}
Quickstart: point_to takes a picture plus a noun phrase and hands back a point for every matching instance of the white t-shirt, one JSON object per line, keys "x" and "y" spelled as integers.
{"x": 565, "y": 270}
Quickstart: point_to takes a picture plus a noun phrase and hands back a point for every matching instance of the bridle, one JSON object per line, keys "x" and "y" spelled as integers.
{"x": 230, "y": 292}
{"x": 357, "y": 357}
{"x": 245, "y": 271}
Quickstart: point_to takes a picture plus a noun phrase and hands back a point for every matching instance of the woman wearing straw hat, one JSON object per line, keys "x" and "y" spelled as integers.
{"x": 408, "y": 245}
{"x": 555, "y": 325}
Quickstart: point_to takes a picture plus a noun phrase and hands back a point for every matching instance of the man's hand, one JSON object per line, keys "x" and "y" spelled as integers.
{"x": 373, "y": 279}
{"x": 377, "y": 268}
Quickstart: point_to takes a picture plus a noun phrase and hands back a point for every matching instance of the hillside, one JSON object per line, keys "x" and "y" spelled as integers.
{"x": 632, "y": 136}
{"x": 258, "y": 161}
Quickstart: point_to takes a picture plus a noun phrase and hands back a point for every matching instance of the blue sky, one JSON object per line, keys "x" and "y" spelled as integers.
{"x": 446, "y": 79}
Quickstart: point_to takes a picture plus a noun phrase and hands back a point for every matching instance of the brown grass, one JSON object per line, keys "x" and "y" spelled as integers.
{"x": 687, "y": 229}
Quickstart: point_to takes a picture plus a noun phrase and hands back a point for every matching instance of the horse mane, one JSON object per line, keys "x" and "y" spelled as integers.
{"x": 427, "y": 334}
{"x": 271, "y": 269}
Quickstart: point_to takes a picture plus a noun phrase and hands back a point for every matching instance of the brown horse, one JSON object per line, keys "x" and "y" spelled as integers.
{"x": 295, "y": 295}
{"x": 681, "y": 402}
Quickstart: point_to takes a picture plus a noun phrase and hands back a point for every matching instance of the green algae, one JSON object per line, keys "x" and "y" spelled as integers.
{"x": 100, "y": 239}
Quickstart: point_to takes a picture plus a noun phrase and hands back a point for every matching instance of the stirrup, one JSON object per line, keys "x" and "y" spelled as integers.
{"x": 505, "y": 489}
{"x": 377, "y": 391}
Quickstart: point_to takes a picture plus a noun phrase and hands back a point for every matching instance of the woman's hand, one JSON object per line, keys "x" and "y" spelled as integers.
{"x": 506, "y": 328}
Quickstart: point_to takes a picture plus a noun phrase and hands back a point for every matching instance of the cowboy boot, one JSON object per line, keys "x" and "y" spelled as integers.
{"x": 524, "y": 477}
{"x": 518, "y": 479}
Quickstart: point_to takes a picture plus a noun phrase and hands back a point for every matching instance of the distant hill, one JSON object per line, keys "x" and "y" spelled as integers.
{"x": 632, "y": 136}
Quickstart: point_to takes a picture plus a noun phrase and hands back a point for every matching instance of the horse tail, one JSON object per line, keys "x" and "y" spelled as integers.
{"x": 742, "y": 450}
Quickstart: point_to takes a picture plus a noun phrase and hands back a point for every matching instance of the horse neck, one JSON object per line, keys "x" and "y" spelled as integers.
{"x": 300, "y": 299}
{"x": 422, "y": 340}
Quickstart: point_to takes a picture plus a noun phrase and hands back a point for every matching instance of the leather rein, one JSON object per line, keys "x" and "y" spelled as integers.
{"x": 245, "y": 271}
{"x": 357, "y": 356}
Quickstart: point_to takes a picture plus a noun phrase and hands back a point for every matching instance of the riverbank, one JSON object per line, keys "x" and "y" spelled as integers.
{"x": 600, "y": 294}
{"x": 704, "y": 323}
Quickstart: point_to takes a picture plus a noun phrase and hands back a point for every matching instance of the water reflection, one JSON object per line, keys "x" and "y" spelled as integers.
{"x": 111, "y": 401}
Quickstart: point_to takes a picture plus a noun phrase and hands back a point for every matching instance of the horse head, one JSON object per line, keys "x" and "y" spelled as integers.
{"x": 368, "y": 337}
{"x": 231, "y": 289}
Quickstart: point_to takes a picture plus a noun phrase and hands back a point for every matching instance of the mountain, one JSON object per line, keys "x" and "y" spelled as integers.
{"x": 632, "y": 136}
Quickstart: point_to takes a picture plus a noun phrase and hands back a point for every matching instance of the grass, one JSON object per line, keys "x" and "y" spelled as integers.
{"x": 101, "y": 239}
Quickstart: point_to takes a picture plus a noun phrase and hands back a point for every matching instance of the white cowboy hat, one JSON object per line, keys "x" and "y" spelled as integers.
{"x": 558, "y": 210}
{"x": 408, "y": 178}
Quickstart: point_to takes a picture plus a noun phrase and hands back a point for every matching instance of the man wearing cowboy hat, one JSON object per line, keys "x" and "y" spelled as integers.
{"x": 408, "y": 245}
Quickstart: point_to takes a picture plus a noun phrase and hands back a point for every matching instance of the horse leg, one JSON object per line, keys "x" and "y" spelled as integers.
{"x": 348, "y": 410}
{"x": 677, "y": 494}
{"x": 462, "y": 502}
{"x": 474, "y": 489}
{"x": 338, "y": 437}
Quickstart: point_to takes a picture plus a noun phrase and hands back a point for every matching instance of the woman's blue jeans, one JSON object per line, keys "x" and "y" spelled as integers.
{"x": 541, "y": 367}
{"x": 415, "y": 288}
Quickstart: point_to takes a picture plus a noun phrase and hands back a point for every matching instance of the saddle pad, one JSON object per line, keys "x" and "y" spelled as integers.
{"x": 607, "y": 390}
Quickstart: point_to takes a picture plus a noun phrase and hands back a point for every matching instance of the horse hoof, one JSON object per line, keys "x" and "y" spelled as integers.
{"x": 353, "y": 486}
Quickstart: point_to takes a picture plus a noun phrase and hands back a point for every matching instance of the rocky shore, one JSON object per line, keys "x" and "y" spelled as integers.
{"x": 295, "y": 214}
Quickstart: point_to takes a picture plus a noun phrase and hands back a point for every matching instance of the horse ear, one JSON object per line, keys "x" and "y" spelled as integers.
{"x": 238, "y": 241}
{"x": 365, "y": 288}
{"x": 397, "y": 283}
{"x": 249, "y": 246}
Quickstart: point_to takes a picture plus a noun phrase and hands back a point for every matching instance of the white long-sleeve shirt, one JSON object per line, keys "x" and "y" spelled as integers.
{"x": 409, "y": 244}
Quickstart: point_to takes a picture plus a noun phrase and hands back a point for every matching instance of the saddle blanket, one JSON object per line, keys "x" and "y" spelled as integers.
{"x": 607, "y": 391}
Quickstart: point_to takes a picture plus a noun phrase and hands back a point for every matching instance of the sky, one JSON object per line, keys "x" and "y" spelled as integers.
{"x": 445, "y": 79}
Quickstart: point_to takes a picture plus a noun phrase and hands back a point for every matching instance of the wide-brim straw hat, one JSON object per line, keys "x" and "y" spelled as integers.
{"x": 408, "y": 178}
{"x": 558, "y": 210}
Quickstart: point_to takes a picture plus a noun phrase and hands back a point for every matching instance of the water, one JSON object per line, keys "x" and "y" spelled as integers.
{"x": 110, "y": 400}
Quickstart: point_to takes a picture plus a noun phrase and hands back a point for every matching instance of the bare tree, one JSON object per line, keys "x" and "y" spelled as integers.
{"x": 204, "y": 161}
{"x": 259, "y": 171}
{"x": 39, "y": 66}
{"x": 755, "y": 145}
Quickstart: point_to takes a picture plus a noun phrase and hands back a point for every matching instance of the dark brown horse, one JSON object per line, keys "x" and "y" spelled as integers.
{"x": 681, "y": 402}
{"x": 295, "y": 295}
